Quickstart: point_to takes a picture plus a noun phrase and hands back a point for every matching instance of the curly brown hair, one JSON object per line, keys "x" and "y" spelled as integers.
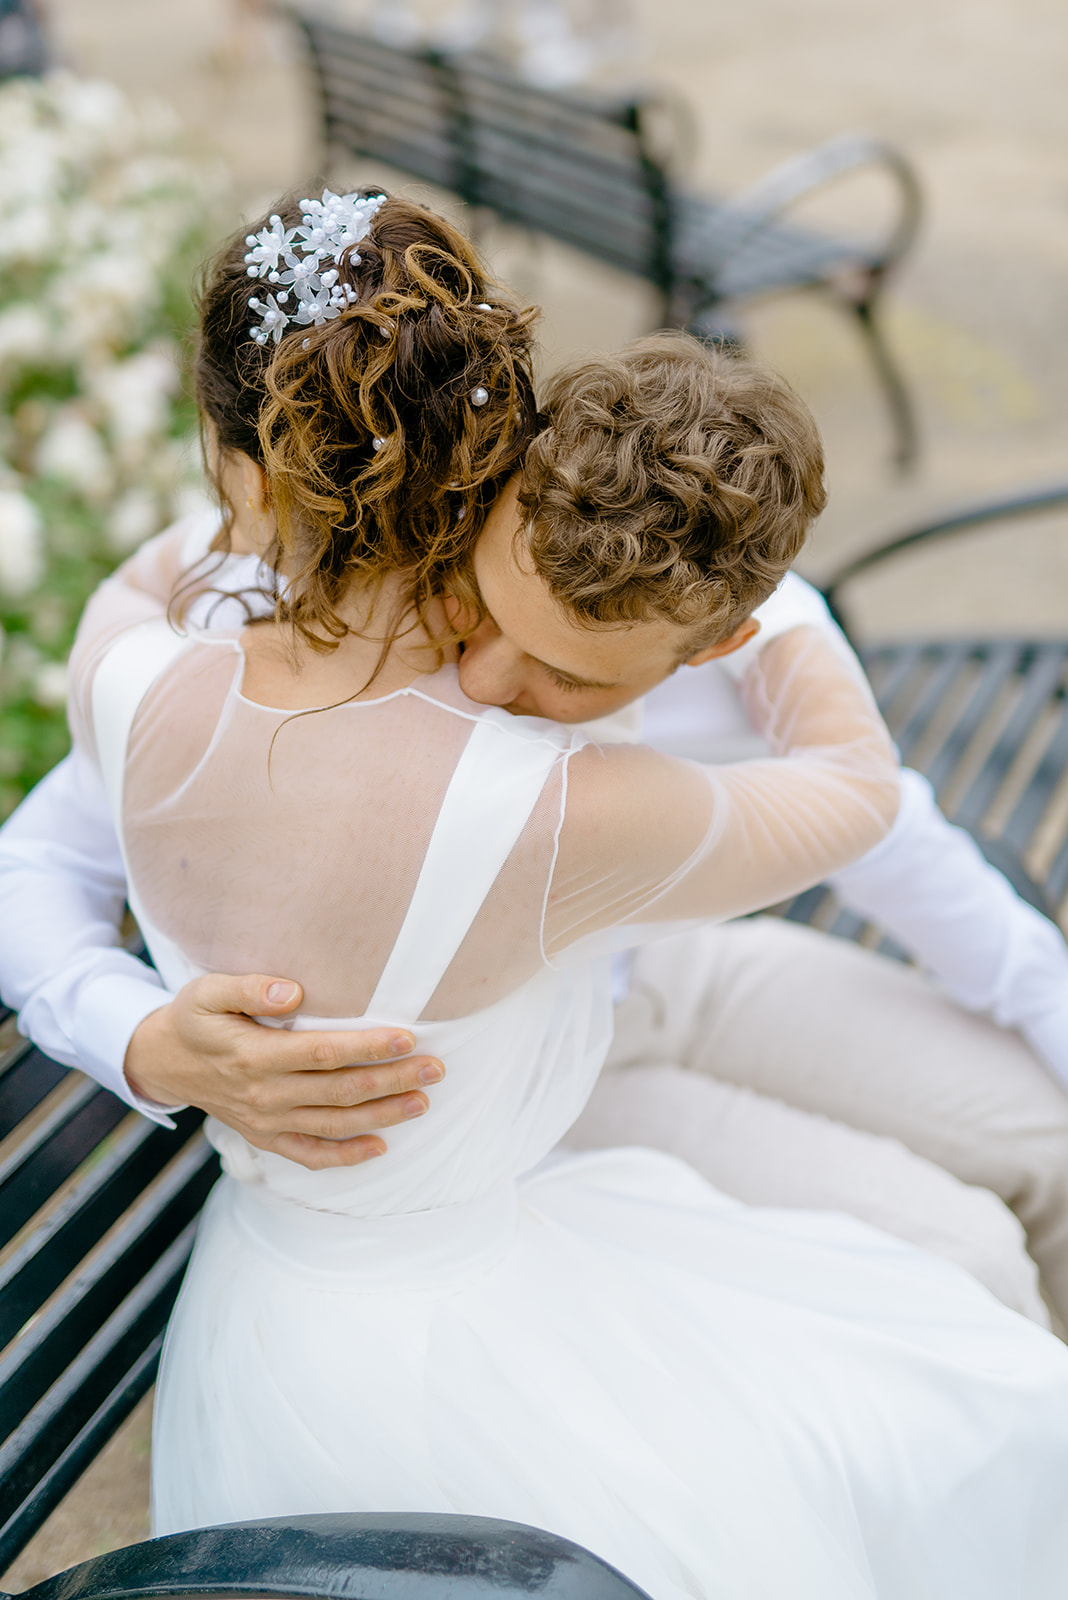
{"x": 672, "y": 481}
{"x": 400, "y": 365}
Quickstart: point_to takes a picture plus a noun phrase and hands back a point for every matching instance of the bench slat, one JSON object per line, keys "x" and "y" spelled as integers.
{"x": 54, "y": 1248}
{"x": 66, "y": 1428}
{"x": 1041, "y": 676}
{"x": 996, "y": 668}
{"x": 53, "y": 1151}
{"x": 47, "y": 1348}
{"x": 899, "y": 669}
{"x": 26, "y": 1078}
{"x": 63, "y": 1474}
{"x": 1031, "y": 806}
{"x": 933, "y": 697}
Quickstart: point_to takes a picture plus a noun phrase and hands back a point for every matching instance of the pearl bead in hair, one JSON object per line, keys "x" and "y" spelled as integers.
{"x": 376, "y": 444}
{"x": 479, "y": 396}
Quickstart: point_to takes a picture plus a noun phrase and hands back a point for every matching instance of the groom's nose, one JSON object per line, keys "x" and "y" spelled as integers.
{"x": 490, "y": 667}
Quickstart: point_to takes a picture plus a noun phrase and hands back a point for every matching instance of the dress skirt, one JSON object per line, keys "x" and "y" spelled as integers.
{"x": 726, "y": 1402}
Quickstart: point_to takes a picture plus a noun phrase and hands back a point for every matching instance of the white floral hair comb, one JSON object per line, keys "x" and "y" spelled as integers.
{"x": 293, "y": 257}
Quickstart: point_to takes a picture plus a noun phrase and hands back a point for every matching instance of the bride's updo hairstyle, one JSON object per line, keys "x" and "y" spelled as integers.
{"x": 385, "y": 433}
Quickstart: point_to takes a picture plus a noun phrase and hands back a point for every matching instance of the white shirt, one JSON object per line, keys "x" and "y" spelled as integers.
{"x": 80, "y": 996}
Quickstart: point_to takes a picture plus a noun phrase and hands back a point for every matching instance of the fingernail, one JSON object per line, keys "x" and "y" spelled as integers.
{"x": 279, "y": 993}
{"x": 402, "y": 1044}
{"x": 414, "y": 1108}
{"x": 431, "y": 1073}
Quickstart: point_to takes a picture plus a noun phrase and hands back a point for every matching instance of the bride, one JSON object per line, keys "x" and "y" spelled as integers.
{"x": 722, "y": 1401}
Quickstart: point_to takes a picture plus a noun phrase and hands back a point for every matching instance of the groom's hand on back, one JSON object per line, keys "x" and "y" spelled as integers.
{"x": 319, "y": 1098}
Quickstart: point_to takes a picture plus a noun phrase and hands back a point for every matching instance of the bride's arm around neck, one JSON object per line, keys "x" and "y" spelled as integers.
{"x": 650, "y": 839}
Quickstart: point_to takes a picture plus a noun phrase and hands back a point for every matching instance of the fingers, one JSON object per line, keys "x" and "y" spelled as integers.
{"x": 353, "y": 1086}
{"x": 314, "y": 1051}
{"x": 255, "y": 995}
{"x": 339, "y": 1124}
{"x": 317, "y": 1154}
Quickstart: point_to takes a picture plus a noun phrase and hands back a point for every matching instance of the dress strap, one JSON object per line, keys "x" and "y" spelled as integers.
{"x": 493, "y": 791}
{"x": 123, "y": 678}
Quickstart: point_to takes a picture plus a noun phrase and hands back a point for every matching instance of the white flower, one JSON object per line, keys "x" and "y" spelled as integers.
{"x": 71, "y": 450}
{"x": 50, "y": 684}
{"x": 317, "y": 308}
{"x": 303, "y": 273}
{"x": 136, "y": 394}
{"x": 25, "y": 335}
{"x": 134, "y": 517}
{"x": 274, "y": 320}
{"x": 21, "y": 546}
{"x": 267, "y": 246}
{"x": 90, "y": 105}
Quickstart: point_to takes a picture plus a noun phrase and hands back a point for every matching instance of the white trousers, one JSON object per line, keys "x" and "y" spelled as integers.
{"x": 793, "y": 1069}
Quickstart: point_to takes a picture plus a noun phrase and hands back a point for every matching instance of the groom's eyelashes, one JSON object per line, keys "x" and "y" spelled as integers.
{"x": 560, "y": 682}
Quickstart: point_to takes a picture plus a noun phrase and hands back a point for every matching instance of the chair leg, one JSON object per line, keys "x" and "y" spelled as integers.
{"x": 902, "y": 413}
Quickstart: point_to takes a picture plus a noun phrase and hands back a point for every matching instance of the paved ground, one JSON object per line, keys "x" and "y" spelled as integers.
{"x": 973, "y": 90}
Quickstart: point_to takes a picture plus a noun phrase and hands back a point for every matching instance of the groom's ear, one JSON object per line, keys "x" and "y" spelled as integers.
{"x": 742, "y": 634}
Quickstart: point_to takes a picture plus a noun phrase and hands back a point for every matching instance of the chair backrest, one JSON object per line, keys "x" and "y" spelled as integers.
{"x": 574, "y": 166}
{"x": 97, "y": 1208}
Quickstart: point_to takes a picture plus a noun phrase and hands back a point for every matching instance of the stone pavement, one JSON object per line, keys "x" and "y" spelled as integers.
{"x": 972, "y": 90}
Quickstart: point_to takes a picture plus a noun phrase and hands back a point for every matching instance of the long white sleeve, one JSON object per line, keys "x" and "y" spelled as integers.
{"x": 926, "y": 884}
{"x": 79, "y": 995}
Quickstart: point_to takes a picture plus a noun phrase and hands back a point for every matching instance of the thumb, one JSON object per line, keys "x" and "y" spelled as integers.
{"x": 254, "y": 995}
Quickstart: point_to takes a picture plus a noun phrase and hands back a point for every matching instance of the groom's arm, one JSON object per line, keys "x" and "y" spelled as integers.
{"x": 319, "y": 1098}
{"x": 929, "y": 886}
{"x": 926, "y": 884}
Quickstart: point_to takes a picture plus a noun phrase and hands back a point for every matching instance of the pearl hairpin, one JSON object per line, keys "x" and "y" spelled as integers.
{"x": 479, "y": 396}
{"x": 482, "y": 306}
{"x": 376, "y": 444}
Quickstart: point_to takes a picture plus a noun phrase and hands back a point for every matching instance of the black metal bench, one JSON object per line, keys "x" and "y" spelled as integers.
{"x": 97, "y": 1212}
{"x": 985, "y": 720}
{"x": 584, "y": 170}
{"x": 357, "y": 1557}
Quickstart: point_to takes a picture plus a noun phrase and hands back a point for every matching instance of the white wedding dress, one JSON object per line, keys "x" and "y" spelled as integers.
{"x": 728, "y": 1403}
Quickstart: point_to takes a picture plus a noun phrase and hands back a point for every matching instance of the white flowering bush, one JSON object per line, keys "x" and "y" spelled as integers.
{"x": 102, "y": 220}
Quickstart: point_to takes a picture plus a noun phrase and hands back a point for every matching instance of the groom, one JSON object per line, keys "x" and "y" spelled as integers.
{"x": 789, "y": 1068}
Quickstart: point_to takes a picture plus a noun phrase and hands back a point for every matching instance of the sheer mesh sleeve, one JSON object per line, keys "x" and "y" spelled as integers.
{"x": 647, "y": 838}
{"x": 138, "y": 591}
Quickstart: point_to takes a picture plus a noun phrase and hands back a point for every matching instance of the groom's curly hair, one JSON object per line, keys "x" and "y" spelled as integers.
{"x": 670, "y": 481}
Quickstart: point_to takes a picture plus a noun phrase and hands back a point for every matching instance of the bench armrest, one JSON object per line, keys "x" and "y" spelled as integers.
{"x": 409, "y": 1555}
{"x": 760, "y": 204}
{"x": 1020, "y": 503}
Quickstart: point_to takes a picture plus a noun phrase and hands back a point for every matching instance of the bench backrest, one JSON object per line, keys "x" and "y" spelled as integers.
{"x": 574, "y": 166}
{"x": 97, "y": 1210}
